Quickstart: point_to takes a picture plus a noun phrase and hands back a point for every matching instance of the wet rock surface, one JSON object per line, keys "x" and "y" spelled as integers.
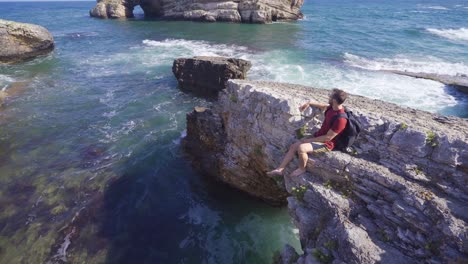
{"x": 207, "y": 76}
{"x": 21, "y": 41}
{"x": 238, "y": 11}
{"x": 399, "y": 198}
{"x": 460, "y": 82}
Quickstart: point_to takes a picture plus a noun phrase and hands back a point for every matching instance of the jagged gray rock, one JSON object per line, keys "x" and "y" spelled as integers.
{"x": 245, "y": 11}
{"x": 208, "y": 75}
{"x": 401, "y": 197}
{"x": 21, "y": 41}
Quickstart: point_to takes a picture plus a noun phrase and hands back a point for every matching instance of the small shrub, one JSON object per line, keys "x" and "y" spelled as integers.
{"x": 233, "y": 98}
{"x": 331, "y": 245}
{"x": 403, "y": 126}
{"x": 383, "y": 235}
{"x": 299, "y": 192}
{"x": 431, "y": 139}
{"x": 328, "y": 184}
{"x": 418, "y": 171}
{"x": 301, "y": 132}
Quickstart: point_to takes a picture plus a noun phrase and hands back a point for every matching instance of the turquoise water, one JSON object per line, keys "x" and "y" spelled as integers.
{"x": 95, "y": 127}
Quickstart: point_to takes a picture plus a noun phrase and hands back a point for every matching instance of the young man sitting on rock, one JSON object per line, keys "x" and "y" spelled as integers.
{"x": 324, "y": 140}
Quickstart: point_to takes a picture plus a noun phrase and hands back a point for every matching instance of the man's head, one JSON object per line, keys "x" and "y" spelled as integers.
{"x": 337, "y": 96}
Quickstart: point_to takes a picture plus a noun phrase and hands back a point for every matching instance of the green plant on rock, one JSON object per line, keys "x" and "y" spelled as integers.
{"x": 417, "y": 170}
{"x": 345, "y": 188}
{"x": 403, "y": 126}
{"x": 328, "y": 184}
{"x": 322, "y": 257}
{"x": 433, "y": 247}
{"x": 431, "y": 139}
{"x": 301, "y": 132}
{"x": 298, "y": 192}
{"x": 383, "y": 235}
{"x": 258, "y": 150}
{"x": 331, "y": 245}
{"x": 233, "y": 98}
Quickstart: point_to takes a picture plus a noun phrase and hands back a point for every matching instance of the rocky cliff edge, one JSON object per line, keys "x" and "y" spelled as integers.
{"x": 400, "y": 197}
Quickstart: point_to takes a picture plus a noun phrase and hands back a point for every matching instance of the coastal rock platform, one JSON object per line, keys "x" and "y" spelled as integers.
{"x": 21, "y": 41}
{"x": 238, "y": 11}
{"x": 460, "y": 82}
{"x": 399, "y": 198}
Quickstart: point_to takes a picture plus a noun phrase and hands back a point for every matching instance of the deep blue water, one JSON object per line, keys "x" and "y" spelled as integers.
{"x": 97, "y": 123}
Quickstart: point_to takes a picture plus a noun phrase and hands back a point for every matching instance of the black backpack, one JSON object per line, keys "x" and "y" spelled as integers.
{"x": 347, "y": 137}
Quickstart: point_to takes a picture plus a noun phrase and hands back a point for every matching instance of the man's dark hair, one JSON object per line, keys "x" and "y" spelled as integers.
{"x": 339, "y": 95}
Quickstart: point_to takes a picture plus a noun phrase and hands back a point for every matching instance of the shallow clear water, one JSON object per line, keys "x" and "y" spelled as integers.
{"x": 97, "y": 123}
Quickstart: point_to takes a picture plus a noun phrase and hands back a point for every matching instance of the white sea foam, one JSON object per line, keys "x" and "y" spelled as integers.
{"x": 195, "y": 48}
{"x": 406, "y": 63}
{"x": 436, "y": 7}
{"x": 453, "y": 34}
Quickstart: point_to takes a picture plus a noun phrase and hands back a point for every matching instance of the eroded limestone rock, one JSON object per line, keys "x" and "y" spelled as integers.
{"x": 400, "y": 198}
{"x": 21, "y": 41}
{"x": 245, "y": 11}
{"x": 208, "y": 75}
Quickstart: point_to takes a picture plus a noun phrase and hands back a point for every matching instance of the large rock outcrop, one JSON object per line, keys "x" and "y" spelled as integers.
{"x": 245, "y": 11}
{"x": 208, "y": 75}
{"x": 21, "y": 41}
{"x": 400, "y": 198}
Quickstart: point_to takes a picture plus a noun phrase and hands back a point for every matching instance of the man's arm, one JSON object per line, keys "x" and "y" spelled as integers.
{"x": 311, "y": 104}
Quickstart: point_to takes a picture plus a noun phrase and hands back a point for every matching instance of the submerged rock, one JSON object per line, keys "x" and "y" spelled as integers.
{"x": 245, "y": 11}
{"x": 460, "y": 82}
{"x": 21, "y": 41}
{"x": 400, "y": 198}
{"x": 208, "y": 75}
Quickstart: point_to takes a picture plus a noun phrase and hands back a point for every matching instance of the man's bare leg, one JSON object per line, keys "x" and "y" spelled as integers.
{"x": 302, "y": 151}
{"x": 289, "y": 156}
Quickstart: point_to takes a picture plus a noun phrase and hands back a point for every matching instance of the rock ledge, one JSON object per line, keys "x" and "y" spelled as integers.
{"x": 401, "y": 197}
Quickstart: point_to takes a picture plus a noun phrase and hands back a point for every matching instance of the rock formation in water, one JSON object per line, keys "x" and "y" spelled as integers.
{"x": 21, "y": 41}
{"x": 460, "y": 82}
{"x": 208, "y": 75}
{"x": 400, "y": 198}
{"x": 245, "y": 11}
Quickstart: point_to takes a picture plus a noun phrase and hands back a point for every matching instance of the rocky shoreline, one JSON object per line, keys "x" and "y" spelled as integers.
{"x": 237, "y": 11}
{"x": 460, "y": 82}
{"x": 400, "y": 197}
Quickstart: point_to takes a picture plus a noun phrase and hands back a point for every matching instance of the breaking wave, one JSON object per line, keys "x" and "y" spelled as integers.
{"x": 436, "y": 7}
{"x": 453, "y": 34}
{"x": 405, "y": 63}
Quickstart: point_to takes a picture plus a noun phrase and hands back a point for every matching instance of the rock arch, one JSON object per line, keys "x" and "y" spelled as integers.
{"x": 245, "y": 11}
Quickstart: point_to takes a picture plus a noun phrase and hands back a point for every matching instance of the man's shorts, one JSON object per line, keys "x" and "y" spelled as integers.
{"x": 319, "y": 148}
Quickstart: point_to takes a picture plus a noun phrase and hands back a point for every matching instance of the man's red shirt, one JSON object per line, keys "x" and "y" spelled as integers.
{"x": 337, "y": 127}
